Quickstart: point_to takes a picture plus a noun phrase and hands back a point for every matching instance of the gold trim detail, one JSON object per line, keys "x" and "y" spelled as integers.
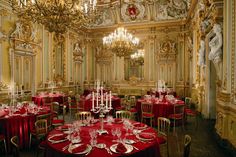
{"x": 223, "y": 96}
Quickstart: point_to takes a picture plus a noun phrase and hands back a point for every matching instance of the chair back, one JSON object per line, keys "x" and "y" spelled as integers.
{"x": 82, "y": 115}
{"x": 15, "y": 145}
{"x": 41, "y": 127}
{"x": 123, "y": 114}
{"x": 187, "y": 101}
{"x": 187, "y": 144}
{"x": 132, "y": 101}
{"x": 55, "y": 107}
{"x": 163, "y": 126}
{"x": 64, "y": 112}
{"x": 146, "y": 107}
{"x": 179, "y": 111}
{"x": 47, "y": 117}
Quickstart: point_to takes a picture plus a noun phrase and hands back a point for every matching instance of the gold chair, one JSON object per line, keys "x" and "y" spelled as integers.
{"x": 163, "y": 128}
{"x": 132, "y": 107}
{"x": 82, "y": 115}
{"x": 48, "y": 117}
{"x": 41, "y": 130}
{"x": 147, "y": 112}
{"x": 79, "y": 102}
{"x": 123, "y": 114}
{"x": 190, "y": 111}
{"x": 73, "y": 107}
{"x": 187, "y": 145}
{"x": 178, "y": 115}
{"x": 2, "y": 139}
{"x": 15, "y": 145}
{"x": 58, "y": 122}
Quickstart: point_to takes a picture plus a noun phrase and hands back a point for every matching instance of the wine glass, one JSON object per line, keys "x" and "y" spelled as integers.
{"x": 118, "y": 133}
{"x": 113, "y": 132}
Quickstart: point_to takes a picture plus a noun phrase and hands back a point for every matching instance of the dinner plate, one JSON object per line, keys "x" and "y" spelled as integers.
{"x": 129, "y": 148}
{"x": 139, "y": 126}
{"x": 68, "y": 132}
{"x": 71, "y": 147}
{"x": 50, "y": 139}
{"x": 129, "y": 141}
{"x": 144, "y": 136}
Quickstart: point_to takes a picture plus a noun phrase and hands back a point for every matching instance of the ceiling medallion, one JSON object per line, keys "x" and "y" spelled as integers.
{"x": 132, "y": 11}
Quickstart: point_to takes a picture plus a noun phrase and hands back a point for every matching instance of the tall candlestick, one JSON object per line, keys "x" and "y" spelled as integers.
{"x": 97, "y": 100}
{"x": 106, "y": 100}
{"x": 93, "y": 101}
{"x": 110, "y": 99}
{"x": 101, "y": 95}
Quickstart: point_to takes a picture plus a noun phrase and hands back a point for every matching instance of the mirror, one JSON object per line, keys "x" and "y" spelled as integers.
{"x": 134, "y": 65}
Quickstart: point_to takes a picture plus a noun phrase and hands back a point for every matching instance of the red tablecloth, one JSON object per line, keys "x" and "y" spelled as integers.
{"x": 160, "y": 108}
{"x": 19, "y": 125}
{"x": 38, "y": 99}
{"x": 146, "y": 149}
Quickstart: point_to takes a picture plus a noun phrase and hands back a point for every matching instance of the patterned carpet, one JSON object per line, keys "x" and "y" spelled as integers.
{"x": 203, "y": 142}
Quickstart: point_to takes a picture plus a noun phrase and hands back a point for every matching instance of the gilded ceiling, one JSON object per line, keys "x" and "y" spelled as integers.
{"x": 140, "y": 11}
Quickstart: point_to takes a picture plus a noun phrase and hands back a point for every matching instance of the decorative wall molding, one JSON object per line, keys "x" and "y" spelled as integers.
{"x": 167, "y": 51}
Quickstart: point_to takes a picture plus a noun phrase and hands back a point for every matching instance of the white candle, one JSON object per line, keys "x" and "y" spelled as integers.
{"x": 106, "y": 100}
{"x": 97, "y": 99}
{"x": 101, "y": 95}
{"x": 93, "y": 101}
{"x": 110, "y": 99}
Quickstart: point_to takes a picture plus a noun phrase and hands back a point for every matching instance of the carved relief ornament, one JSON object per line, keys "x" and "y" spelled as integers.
{"x": 103, "y": 55}
{"x": 77, "y": 52}
{"x": 24, "y": 38}
{"x": 166, "y": 50}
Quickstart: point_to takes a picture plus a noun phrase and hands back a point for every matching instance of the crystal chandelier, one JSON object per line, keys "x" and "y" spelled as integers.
{"x": 56, "y": 15}
{"x": 120, "y": 42}
{"x": 138, "y": 57}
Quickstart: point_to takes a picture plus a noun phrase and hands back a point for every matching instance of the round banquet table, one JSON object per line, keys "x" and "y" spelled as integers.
{"x": 160, "y": 108}
{"x": 38, "y": 99}
{"x": 19, "y": 124}
{"x": 144, "y": 149}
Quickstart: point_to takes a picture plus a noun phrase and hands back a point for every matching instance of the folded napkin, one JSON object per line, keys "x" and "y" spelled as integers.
{"x": 139, "y": 125}
{"x": 59, "y": 137}
{"x": 81, "y": 148}
{"x": 121, "y": 148}
{"x": 117, "y": 120}
{"x": 146, "y": 136}
{"x": 64, "y": 127}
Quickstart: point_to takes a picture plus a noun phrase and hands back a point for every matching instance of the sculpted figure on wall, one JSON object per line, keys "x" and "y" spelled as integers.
{"x": 18, "y": 30}
{"x": 216, "y": 45}
{"x": 201, "y": 61}
{"x": 215, "y": 54}
{"x": 77, "y": 52}
{"x": 190, "y": 46}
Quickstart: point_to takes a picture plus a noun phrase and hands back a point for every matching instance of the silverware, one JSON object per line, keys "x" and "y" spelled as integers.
{"x": 66, "y": 147}
{"x": 135, "y": 147}
{"x": 88, "y": 152}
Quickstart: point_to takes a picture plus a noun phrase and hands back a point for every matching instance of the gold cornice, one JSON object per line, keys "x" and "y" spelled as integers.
{"x": 137, "y": 26}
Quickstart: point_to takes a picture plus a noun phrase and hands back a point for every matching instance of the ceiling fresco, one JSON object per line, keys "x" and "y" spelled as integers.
{"x": 113, "y": 12}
